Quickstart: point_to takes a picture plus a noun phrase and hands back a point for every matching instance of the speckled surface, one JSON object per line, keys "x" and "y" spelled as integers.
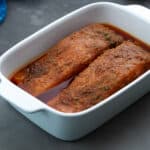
{"x": 127, "y": 131}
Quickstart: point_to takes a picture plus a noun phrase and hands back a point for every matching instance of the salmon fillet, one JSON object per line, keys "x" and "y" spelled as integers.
{"x": 105, "y": 75}
{"x": 66, "y": 58}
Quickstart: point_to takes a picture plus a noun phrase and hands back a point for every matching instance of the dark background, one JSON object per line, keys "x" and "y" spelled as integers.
{"x": 130, "y": 130}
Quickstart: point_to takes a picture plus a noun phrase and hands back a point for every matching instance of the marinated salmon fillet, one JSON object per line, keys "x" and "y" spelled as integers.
{"x": 66, "y": 58}
{"x": 105, "y": 75}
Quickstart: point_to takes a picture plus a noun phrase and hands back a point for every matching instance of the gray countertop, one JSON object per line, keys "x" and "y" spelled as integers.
{"x": 127, "y": 131}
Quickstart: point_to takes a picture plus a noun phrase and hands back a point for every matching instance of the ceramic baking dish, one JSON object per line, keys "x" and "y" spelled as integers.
{"x": 134, "y": 19}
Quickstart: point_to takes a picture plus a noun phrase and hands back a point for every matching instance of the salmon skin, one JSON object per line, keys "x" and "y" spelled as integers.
{"x": 105, "y": 75}
{"x": 67, "y": 58}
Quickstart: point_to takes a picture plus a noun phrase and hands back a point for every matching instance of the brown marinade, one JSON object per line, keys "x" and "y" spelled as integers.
{"x": 100, "y": 58}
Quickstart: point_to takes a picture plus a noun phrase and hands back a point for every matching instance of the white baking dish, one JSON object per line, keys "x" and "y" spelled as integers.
{"x": 71, "y": 126}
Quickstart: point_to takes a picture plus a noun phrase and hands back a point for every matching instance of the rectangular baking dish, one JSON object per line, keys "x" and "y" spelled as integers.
{"x": 134, "y": 19}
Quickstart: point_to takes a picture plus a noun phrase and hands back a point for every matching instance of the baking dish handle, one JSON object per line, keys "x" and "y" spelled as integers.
{"x": 140, "y": 10}
{"x": 19, "y": 98}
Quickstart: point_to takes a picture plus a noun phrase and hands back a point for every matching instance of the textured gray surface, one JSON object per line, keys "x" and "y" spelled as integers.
{"x": 127, "y": 131}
